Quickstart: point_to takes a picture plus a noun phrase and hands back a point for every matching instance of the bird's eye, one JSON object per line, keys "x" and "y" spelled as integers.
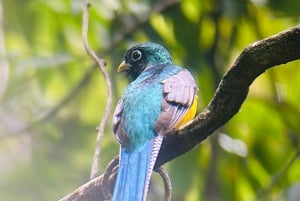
{"x": 136, "y": 55}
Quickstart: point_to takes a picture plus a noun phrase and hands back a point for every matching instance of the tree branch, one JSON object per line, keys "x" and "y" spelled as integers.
{"x": 101, "y": 64}
{"x": 228, "y": 98}
{"x": 232, "y": 91}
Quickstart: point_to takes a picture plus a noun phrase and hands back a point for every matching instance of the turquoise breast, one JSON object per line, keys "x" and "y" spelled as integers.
{"x": 142, "y": 104}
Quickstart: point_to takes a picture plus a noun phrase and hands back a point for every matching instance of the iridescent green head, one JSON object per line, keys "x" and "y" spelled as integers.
{"x": 143, "y": 56}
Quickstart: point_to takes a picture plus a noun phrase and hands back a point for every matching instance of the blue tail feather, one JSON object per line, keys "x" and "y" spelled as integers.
{"x": 134, "y": 173}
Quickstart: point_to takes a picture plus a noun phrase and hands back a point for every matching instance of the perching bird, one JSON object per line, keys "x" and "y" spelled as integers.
{"x": 160, "y": 97}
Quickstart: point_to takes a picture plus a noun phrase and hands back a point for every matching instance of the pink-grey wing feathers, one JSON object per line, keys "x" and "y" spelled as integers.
{"x": 179, "y": 92}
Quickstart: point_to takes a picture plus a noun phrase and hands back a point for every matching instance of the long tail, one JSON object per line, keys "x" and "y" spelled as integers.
{"x": 135, "y": 169}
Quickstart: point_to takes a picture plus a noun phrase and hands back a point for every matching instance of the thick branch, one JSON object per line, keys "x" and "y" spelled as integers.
{"x": 232, "y": 91}
{"x": 229, "y": 96}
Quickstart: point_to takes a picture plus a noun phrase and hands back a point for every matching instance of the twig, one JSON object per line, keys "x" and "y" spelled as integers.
{"x": 101, "y": 64}
{"x": 167, "y": 183}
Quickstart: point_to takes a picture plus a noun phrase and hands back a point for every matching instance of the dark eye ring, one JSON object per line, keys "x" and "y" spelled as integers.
{"x": 136, "y": 55}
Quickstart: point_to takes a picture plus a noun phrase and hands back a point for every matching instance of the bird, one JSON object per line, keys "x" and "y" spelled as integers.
{"x": 160, "y": 97}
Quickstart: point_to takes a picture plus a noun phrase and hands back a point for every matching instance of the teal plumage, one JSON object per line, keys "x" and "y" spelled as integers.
{"x": 159, "y": 96}
{"x": 141, "y": 103}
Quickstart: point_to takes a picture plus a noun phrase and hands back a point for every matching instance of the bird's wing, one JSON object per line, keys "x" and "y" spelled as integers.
{"x": 117, "y": 122}
{"x": 179, "y": 92}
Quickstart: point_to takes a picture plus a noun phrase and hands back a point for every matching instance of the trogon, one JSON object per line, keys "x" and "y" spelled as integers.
{"x": 160, "y": 96}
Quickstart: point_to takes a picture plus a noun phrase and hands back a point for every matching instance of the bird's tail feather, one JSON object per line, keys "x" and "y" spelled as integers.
{"x": 135, "y": 170}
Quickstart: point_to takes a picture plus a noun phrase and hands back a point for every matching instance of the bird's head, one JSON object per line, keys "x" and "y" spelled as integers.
{"x": 143, "y": 56}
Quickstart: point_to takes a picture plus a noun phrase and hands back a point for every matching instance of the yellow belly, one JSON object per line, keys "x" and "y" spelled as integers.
{"x": 189, "y": 115}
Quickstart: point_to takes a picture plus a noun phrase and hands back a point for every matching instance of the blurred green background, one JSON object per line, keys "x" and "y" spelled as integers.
{"x": 52, "y": 96}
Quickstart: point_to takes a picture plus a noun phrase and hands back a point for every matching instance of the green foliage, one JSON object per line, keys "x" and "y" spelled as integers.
{"x": 55, "y": 96}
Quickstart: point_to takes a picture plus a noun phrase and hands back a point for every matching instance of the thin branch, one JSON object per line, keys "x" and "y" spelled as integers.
{"x": 167, "y": 183}
{"x": 231, "y": 93}
{"x": 101, "y": 64}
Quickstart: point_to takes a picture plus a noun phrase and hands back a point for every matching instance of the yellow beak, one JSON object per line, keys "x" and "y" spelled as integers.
{"x": 123, "y": 66}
